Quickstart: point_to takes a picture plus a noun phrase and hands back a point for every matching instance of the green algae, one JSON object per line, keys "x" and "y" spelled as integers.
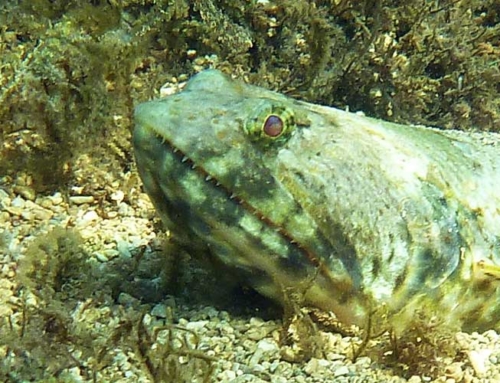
{"x": 71, "y": 73}
{"x": 66, "y": 318}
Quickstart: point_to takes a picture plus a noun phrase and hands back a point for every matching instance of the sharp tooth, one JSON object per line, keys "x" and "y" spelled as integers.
{"x": 194, "y": 166}
{"x": 232, "y": 196}
{"x": 208, "y": 178}
{"x": 175, "y": 150}
{"x": 184, "y": 159}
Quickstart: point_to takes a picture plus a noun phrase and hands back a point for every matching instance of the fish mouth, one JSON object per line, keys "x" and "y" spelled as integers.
{"x": 173, "y": 192}
{"x": 231, "y": 197}
{"x": 229, "y": 212}
{"x": 232, "y": 229}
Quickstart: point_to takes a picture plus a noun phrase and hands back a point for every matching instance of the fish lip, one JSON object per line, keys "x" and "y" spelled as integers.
{"x": 143, "y": 113}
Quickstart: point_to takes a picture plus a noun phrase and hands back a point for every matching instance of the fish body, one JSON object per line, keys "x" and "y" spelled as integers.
{"x": 361, "y": 213}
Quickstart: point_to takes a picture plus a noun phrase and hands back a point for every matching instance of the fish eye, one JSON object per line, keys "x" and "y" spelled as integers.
{"x": 270, "y": 123}
{"x": 273, "y": 126}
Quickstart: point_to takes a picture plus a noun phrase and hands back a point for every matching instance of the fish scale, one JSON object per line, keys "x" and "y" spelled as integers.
{"x": 363, "y": 212}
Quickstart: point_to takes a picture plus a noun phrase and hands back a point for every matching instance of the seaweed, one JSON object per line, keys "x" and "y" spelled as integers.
{"x": 428, "y": 348}
{"x": 166, "y": 361}
{"x": 407, "y": 63}
{"x": 71, "y": 74}
{"x": 300, "y": 337}
{"x": 39, "y": 335}
{"x": 52, "y": 261}
{"x": 66, "y": 321}
{"x": 59, "y": 76}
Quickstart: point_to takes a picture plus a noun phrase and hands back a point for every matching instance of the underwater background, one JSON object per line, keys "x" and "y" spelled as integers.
{"x": 91, "y": 288}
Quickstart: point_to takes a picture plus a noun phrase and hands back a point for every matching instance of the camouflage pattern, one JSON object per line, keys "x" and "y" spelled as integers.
{"x": 368, "y": 215}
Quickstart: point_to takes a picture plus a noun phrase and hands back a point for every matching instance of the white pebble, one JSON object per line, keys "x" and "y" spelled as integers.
{"x": 193, "y": 326}
{"x": 81, "y": 199}
{"x": 18, "y": 202}
{"x": 316, "y": 366}
{"x": 4, "y": 196}
{"x": 478, "y": 360}
{"x": 89, "y": 217}
{"x": 265, "y": 347}
{"x": 341, "y": 371}
{"x": 56, "y": 199}
{"x": 159, "y": 311}
{"x": 227, "y": 376}
{"x": 118, "y": 196}
{"x": 100, "y": 257}
{"x": 123, "y": 248}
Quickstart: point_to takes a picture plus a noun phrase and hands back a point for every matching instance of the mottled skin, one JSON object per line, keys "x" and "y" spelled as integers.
{"x": 367, "y": 214}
